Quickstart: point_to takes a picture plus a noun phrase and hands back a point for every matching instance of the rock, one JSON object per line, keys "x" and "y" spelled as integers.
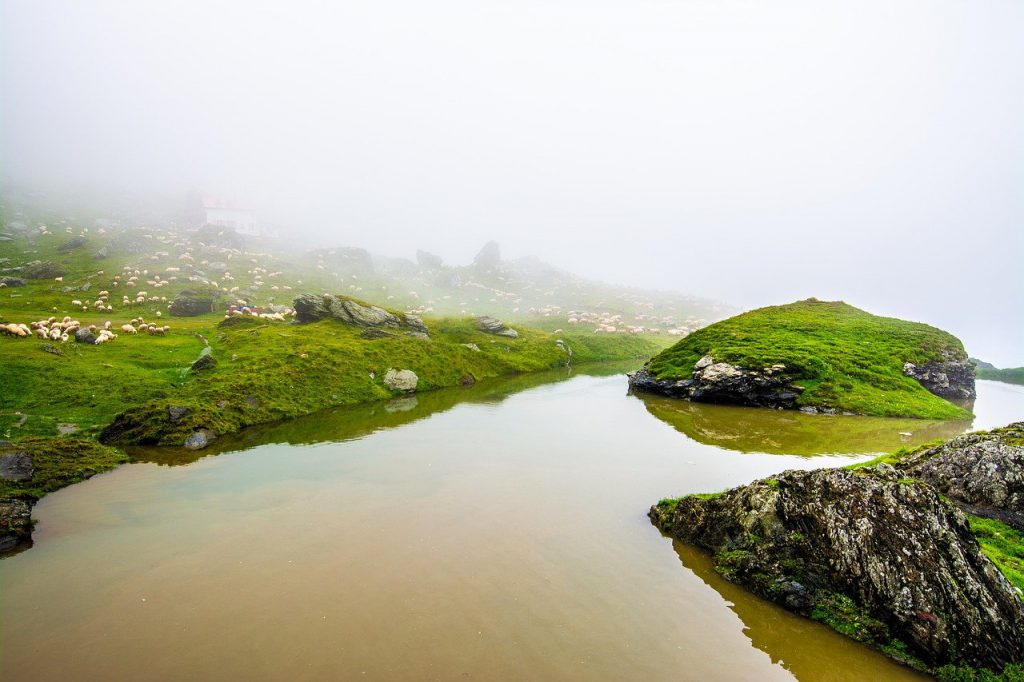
{"x": 491, "y": 325}
{"x": 401, "y": 380}
{"x": 42, "y": 269}
{"x": 472, "y": 347}
{"x": 428, "y": 260}
{"x": 310, "y": 308}
{"x": 204, "y": 362}
{"x": 983, "y": 471}
{"x": 251, "y": 402}
{"x": 489, "y": 256}
{"x": 198, "y": 440}
{"x": 67, "y": 428}
{"x": 192, "y": 302}
{"x": 52, "y": 349}
{"x": 178, "y": 412}
{"x": 886, "y": 558}
{"x": 15, "y": 523}
{"x": 724, "y": 383}
{"x": 467, "y": 379}
{"x": 102, "y": 254}
{"x": 376, "y": 334}
{"x": 16, "y": 466}
{"x": 73, "y": 243}
{"x": 952, "y": 377}
{"x": 84, "y": 336}
{"x": 12, "y": 281}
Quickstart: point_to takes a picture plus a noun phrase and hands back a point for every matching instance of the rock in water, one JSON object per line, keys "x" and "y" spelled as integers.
{"x": 492, "y": 325}
{"x": 877, "y": 557}
{"x": 721, "y": 382}
{"x": 952, "y": 377}
{"x": 401, "y": 380}
{"x": 198, "y": 440}
{"x": 15, "y": 523}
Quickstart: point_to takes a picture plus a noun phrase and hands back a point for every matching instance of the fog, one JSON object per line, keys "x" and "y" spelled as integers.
{"x": 749, "y": 151}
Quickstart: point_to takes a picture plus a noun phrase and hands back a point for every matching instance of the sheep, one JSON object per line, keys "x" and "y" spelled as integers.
{"x": 128, "y": 329}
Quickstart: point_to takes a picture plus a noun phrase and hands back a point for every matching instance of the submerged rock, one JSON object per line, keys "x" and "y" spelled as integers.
{"x": 884, "y": 560}
{"x": 198, "y": 440}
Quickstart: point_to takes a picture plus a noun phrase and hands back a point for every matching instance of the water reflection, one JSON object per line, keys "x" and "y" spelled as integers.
{"x": 358, "y": 421}
{"x": 822, "y": 654}
{"x": 787, "y": 432}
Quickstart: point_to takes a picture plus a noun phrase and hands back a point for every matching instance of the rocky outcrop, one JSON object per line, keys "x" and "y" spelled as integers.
{"x": 491, "y": 325}
{"x": 192, "y": 302}
{"x": 42, "y": 269}
{"x": 310, "y": 308}
{"x": 15, "y": 524}
{"x": 12, "y": 282}
{"x": 401, "y": 380}
{"x": 73, "y": 243}
{"x": 16, "y": 465}
{"x": 885, "y": 560}
{"x": 427, "y": 260}
{"x": 489, "y": 256}
{"x": 983, "y": 471}
{"x": 951, "y": 377}
{"x": 724, "y": 383}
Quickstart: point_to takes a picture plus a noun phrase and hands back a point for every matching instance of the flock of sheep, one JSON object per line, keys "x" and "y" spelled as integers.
{"x": 52, "y": 329}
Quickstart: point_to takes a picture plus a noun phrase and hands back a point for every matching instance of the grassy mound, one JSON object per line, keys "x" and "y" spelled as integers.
{"x": 843, "y": 357}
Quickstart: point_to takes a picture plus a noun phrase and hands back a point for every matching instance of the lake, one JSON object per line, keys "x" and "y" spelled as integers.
{"x": 497, "y": 532}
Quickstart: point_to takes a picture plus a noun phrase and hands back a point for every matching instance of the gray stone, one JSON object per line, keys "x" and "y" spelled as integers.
{"x": 401, "y": 380}
{"x": 84, "y": 336}
{"x": 205, "y": 361}
{"x": 491, "y": 325}
{"x": 951, "y": 377}
{"x": 177, "y": 412}
{"x": 198, "y": 440}
{"x": 73, "y": 243}
{"x": 15, "y": 523}
{"x": 16, "y": 466}
{"x": 12, "y": 281}
{"x": 40, "y": 269}
{"x": 190, "y": 303}
{"x": 103, "y": 253}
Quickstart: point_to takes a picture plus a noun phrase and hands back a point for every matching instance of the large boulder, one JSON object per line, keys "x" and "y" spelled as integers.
{"x": 884, "y": 559}
{"x": 951, "y": 377}
{"x": 721, "y": 382}
{"x": 73, "y": 243}
{"x": 983, "y": 471}
{"x": 43, "y": 269}
{"x": 491, "y": 325}
{"x": 427, "y": 260}
{"x": 310, "y": 308}
{"x": 401, "y": 380}
{"x": 16, "y": 465}
{"x": 192, "y": 302}
{"x": 489, "y": 256}
{"x": 12, "y": 281}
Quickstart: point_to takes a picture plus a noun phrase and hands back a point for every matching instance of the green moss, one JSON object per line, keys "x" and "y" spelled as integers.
{"x": 958, "y": 673}
{"x": 844, "y": 615}
{"x": 844, "y": 358}
{"x": 59, "y": 462}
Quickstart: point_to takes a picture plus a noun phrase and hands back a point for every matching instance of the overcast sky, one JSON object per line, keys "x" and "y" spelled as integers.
{"x": 756, "y": 152}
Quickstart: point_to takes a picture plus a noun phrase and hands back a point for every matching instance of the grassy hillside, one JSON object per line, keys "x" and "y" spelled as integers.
{"x": 844, "y": 358}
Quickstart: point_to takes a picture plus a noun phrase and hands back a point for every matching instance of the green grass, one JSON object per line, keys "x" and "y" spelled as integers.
{"x": 59, "y": 462}
{"x": 1003, "y": 545}
{"x": 1014, "y": 375}
{"x": 844, "y": 358}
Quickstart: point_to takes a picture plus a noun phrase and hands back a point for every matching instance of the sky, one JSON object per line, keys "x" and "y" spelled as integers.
{"x": 753, "y": 152}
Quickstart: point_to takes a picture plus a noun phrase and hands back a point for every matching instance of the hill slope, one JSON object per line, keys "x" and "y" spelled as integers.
{"x": 819, "y": 355}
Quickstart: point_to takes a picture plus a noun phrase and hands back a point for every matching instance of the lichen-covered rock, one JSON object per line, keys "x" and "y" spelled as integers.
{"x": 192, "y": 302}
{"x": 401, "y": 380}
{"x": 721, "y": 382}
{"x": 310, "y": 308}
{"x": 952, "y": 377}
{"x": 84, "y": 336}
{"x": 16, "y": 465}
{"x": 198, "y": 440}
{"x": 12, "y": 281}
{"x": 984, "y": 471}
{"x": 882, "y": 559}
{"x": 42, "y": 269}
{"x": 491, "y": 325}
{"x": 15, "y": 523}
{"x": 73, "y": 243}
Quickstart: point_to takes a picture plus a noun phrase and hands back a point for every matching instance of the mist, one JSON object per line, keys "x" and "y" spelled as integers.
{"x": 756, "y": 153}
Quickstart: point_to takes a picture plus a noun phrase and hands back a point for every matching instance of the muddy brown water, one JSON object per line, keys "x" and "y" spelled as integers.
{"x": 494, "y": 533}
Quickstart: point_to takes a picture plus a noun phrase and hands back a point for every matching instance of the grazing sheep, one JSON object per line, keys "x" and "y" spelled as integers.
{"x": 128, "y": 329}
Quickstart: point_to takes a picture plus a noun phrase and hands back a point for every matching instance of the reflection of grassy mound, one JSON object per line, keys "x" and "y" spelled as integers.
{"x": 786, "y": 432}
{"x": 843, "y": 357}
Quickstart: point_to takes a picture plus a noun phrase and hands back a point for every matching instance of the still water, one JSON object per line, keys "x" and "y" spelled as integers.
{"x": 497, "y": 532}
